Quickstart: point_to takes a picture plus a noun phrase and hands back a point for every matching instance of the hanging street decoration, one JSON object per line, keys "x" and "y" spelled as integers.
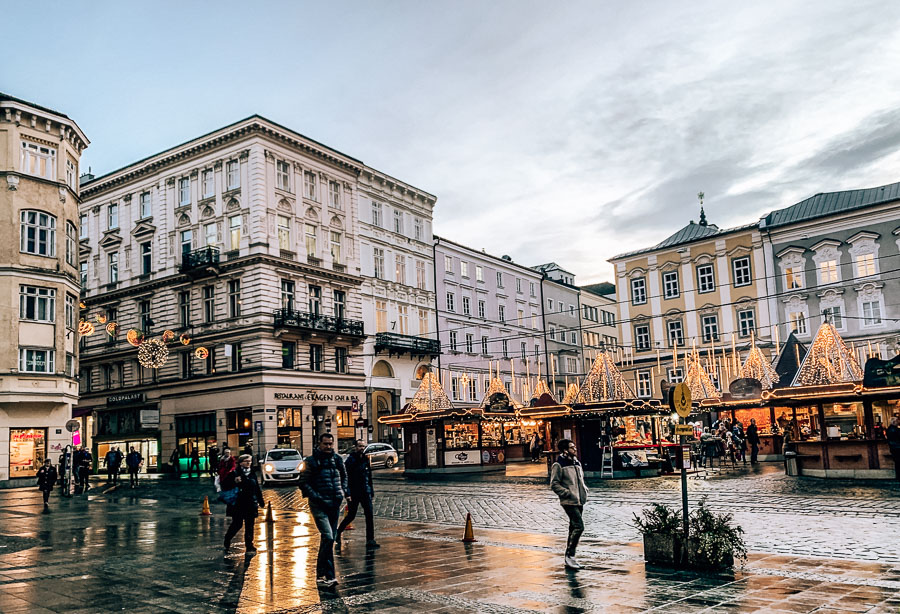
{"x": 82, "y": 305}
{"x": 101, "y": 319}
{"x": 603, "y": 382}
{"x": 85, "y": 328}
{"x": 153, "y": 353}
{"x": 135, "y": 337}
{"x": 167, "y": 336}
{"x": 111, "y": 329}
{"x": 430, "y": 396}
{"x": 698, "y": 380}
{"x": 185, "y": 339}
{"x": 201, "y": 353}
{"x": 571, "y": 394}
{"x": 758, "y": 367}
{"x": 828, "y": 361}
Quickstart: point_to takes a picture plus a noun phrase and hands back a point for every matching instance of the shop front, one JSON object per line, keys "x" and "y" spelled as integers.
{"x": 469, "y": 442}
{"x": 127, "y": 421}
{"x": 290, "y": 427}
{"x": 239, "y": 428}
{"x": 27, "y": 451}
{"x": 195, "y": 432}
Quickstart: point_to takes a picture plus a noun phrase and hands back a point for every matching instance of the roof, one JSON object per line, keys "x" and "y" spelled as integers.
{"x": 604, "y": 288}
{"x": 550, "y": 266}
{"x": 7, "y": 97}
{"x": 829, "y": 203}
{"x": 687, "y": 234}
{"x": 438, "y": 240}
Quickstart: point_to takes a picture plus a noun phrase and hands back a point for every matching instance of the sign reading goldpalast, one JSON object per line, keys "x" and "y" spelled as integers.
{"x": 125, "y": 399}
{"x": 315, "y": 395}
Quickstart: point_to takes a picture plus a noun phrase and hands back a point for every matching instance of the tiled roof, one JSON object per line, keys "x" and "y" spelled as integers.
{"x": 829, "y": 203}
{"x": 688, "y": 234}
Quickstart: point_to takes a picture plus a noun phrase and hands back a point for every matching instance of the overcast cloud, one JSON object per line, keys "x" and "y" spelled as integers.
{"x": 548, "y": 131}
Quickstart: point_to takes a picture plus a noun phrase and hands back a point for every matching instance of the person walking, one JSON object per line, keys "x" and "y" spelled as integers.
{"x": 567, "y": 481}
{"x": 246, "y": 507}
{"x": 359, "y": 480}
{"x": 195, "y": 462}
{"x": 227, "y": 464}
{"x": 212, "y": 459}
{"x": 893, "y": 438}
{"x": 740, "y": 442}
{"x": 84, "y": 464}
{"x": 753, "y": 440}
{"x": 133, "y": 461}
{"x": 175, "y": 461}
{"x": 113, "y": 460}
{"x": 46, "y": 478}
{"x": 323, "y": 482}
{"x": 535, "y": 447}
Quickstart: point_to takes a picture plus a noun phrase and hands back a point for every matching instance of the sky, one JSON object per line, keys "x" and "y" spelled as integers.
{"x": 567, "y": 131}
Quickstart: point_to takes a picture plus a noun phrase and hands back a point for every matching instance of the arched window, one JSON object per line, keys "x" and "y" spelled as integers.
{"x": 382, "y": 369}
{"x": 38, "y": 233}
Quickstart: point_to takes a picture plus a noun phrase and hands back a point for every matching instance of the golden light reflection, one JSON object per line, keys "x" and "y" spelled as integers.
{"x": 302, "y": 548}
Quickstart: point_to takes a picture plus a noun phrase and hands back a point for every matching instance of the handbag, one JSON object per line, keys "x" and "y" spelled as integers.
{"x": 229, "y": 497}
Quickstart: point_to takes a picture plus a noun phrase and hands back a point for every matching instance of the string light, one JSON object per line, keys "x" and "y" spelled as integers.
{"x": 603, "y": 382}
{"x": 540, "y": 389}
{"x": 571, "y": 393}
{"x": 758, "y": 367}
{"x": 491, "y": 402}
{"x": 111, "y": 329}
{"x": 153, "y": 353}
{"x": 101, "y": 319}
{"x": 85, "y": 328}
{"x": 828, "y": 361}
{"x": 167, "y": 336}
{"x": 698, "y": 380}
{"x": 201, "y": 353}
{"x": 185, "y": 339}
{"x": 430, "y": 396}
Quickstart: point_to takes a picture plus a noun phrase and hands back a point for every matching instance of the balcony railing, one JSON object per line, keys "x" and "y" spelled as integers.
{"x": 289, "y": 318}
{"x": 200, "y": 258}
{"x": 394, "y": 343}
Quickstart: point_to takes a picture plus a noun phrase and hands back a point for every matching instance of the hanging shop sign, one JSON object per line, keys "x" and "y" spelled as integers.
{"x": 745, "y": 388}
{"x": 880, "y": 373}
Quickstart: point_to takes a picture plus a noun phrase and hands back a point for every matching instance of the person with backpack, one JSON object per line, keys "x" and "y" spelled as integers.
{"x": 245, "y": 504}
{"x": 359, "y": 479}
{"x": 46, "y": 478}
{"x": 567, "y": 481}
{"x": 133, "y": 461}
{"x": 323, "y": 482}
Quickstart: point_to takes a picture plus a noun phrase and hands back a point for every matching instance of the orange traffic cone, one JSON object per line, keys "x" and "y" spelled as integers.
{"x": 469, "y": 535}
{"x": 205, "y": 511}
{"x": 270, "y": 519}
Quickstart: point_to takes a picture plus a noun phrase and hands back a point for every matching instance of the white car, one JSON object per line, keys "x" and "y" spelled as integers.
{"x": 380, "y": 455}
{"x": 282, "y": 465}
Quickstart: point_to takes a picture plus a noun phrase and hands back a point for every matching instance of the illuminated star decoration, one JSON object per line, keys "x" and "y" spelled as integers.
{"x": 153, "y": 354}
{"x": 430, "y": 396}
{"x": 828, "y": 361}
{"x": 698, "y": 380}
{"x": 603, "y": 382}
{"x": 464, "y": 380}
{"x": 758, "y": 367}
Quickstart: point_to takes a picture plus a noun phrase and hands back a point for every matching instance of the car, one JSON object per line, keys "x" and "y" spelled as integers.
{"x": 380, "y": 455}
{"x": 282, "y": 465}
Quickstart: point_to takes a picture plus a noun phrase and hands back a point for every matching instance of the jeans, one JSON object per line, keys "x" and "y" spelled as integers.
{"x": 133, "y": 474}
{"x": 576, "y": 527}
{"x": 352, "y": 507}
{"x": 754, "y": 453}
{"x": 326, "y": 519}
{"x": 236, "y": 522}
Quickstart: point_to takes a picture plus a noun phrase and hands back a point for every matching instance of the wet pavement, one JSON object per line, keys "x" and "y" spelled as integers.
{"x": 815, "y": 547}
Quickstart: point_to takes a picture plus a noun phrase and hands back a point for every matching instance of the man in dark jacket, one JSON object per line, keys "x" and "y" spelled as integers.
{"x": 567, "y": 481}
{"x": 46, "y": 478}
{"x": 133, "y": 461}
{"x": 246, "y": 507}
{"x": 753, "y": 440}
{"x": 893, "y": 438}
{"x": 359, "y": 479}
{"x": 323, "y": 482}
{"x": 113, "y": 465}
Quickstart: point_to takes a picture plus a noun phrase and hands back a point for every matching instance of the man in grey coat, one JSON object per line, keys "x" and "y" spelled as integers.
{"x": 567, "y": 481}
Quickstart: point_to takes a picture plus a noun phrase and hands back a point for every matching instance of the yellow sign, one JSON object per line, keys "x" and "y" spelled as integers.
{"x": 684, "y": 429}
{"x": 681, "y": 400}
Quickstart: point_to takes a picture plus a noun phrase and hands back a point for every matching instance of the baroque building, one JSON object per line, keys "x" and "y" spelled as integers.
{"x": 40, "y": 151}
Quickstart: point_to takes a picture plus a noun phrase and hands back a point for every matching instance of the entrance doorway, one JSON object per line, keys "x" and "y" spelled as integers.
{"x": 239, "y": 429}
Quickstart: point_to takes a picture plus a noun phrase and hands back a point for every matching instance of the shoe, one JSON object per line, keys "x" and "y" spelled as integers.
{"x": 372, "y": 544}
{"x": 571, "y": 563}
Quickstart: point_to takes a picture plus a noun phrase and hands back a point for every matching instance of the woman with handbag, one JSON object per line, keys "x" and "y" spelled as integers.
{"x": 241, "y": 493}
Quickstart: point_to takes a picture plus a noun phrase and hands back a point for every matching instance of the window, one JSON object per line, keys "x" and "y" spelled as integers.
{"x": 71, "y": 175}
{"x": 638, "y": 291}
{"x": 146, "y": 258}
{"x": 464, "y": 268}
{"x": 828, "y": 272}
{"x": 71, "y": 245}
{"x": 311, "y": 248}
{"x": 552, "y": 333}
{"x": 70, "y": 311}
{"x": 403, "y": 319}
{"x": 466, "y": 305}
{"x": 398, "y": 222}
{"x": 417, "y": 228}
{"x": 746, "y": 322}
{"x": 505, "y": 345}
{"x": 232, "y": 175}
{"x": 334, "y": 194}
{"x": 376, "y": 214}
{"x": 642, "y": 337}
{"x": 520, "y": 319}
{"x": 451, "y": 302}
{"x": 234, "y": 231}
{"x": 113, "y": 267}
{"x": 484, "y": 345}
{"x": 37, "y": 304}
{"x": 675, "y": 376}
{"x": 36, "y": 360}
{"x": 454, "y": 387}
{"x": 187, "y": 238}
{"x": 519, "y": 285}
{"x": 871, "y": 313}
{"x": 315, "y": 357}
{"x": 381, "y": 316}
{"x": 481, "y": 309}
{"x": 501, "y": 313}
{"x": 524, "y": 349}
{"x": 39, "y": 160}
{"x": 571, "y": 364}
{"x": 146, "y": 322}
{"x": 70, "y": 364}
{"x": 38, "y": 233}
{"x": 710, "y": 326}
{"x": 532, "y": 289}
{"x": 423, "y": 322}
{"x": 236, "y": 357}
{"x": 83, "y": 226}
{"x": 283, "y": 175}
{"x": 473, "y": 389}
{"x": 448, "y": 264}
{"x": 706, "y": 281}
{"x": 798, "y": 322}
{"x": 834, "y": 315}
{"x": 470, "y": 341}
{"x": 209, "y": 304}
{"x": 184, "y": 308}
{"x": 315, "y": 300}
{"x": 340, "y": 360}
{"x": 287, "y": 294}
{"x": 670, "y": 284}
{"x": 740, "y": 270}
{"x": 479, "y": 273}
{"x": 420, "y": 274}
{"x": 499, "y": 279}
{"x": 144, "y": 210}
{"x": 550, "y": 305}
{"x": 336, "y": 248}
{"x": 865, "y": 265}
{"x": 234, "y": 298}
{"x": 339, "y": 304}
{"x": 184, "y": 191}
{"x": 793, "y": 278}
{"x": 208, "y": 184}
{"x": 309, "y": 185}
{"x": 378, "y": 260}
{"x": 573, "y": 337}
{"x": 453, "y": 346}
{"x": 675, "y": 333}
{"x": 400, "y": 268}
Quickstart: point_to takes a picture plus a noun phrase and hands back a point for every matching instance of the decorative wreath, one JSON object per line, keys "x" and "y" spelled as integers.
{"x": 153, "y": 354}
{"x": 135, "y": 337}
{"x": 201, "y": 352}
{"x": 167, "y": 336}
{"x": 185, "y": 339}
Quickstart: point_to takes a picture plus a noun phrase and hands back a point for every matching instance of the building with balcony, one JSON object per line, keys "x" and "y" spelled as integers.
{"x": 397, "y": 261}
{"x": 244, "y": 242}
{"x": 561, "y": 299}
{"x": 40, "y": 150}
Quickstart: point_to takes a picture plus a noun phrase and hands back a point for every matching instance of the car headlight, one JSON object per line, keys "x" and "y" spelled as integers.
{"x": 300, "y": 466}
{"x": 269, "y": 468}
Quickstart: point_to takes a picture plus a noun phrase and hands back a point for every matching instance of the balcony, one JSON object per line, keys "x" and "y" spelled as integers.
{"x": 398, "y": 344}
{"x": 204, "y": 261}
{"x": 311, "y": 323}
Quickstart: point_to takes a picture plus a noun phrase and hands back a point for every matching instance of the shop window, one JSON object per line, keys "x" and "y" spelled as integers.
{"x": 844, "y": 421}
{"x": 27, "y": 451}
{"x": 491, "y": 434}
{"x": 461, "y": 436}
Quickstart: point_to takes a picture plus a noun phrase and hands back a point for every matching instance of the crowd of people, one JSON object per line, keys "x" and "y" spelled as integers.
{"x": 729, "y": 441}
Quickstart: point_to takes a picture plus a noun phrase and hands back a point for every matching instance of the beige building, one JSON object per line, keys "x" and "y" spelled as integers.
{"x": 702, "y": 287}
{"x": 39, "y": 156}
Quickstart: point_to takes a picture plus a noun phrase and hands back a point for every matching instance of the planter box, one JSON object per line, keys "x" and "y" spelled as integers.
{"x": 695, "y": 563}
{"x": 662, "y": 549}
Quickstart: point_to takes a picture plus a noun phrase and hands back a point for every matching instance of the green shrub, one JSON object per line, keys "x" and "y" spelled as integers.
{"x": 659, "y": 519}
{"x": 716, "y": 539}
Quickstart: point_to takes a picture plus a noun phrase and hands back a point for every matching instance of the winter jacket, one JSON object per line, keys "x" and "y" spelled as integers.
{"x": 893, "y": 437}
{"x": 113, "y": 459}
{"x": 567, "y": 481}
{"x": 225, "y": 467}
{"x": 753, "y": 435}
{"x": 359, "y": 475}
{"x": 46, "y": 477}
{"x": 324, "y": 479}
{"x": 134, "y": 460}
{"x": 249, "y": 498}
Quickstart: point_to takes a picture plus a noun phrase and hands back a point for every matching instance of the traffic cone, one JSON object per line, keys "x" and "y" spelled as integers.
{"x": 205, "y": 511}
{"x": 469, "y": 535}
{"x": 270, "y": 519}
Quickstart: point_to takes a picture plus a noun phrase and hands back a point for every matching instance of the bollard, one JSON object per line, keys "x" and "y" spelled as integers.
{"x": 270, "y": 519}
{"x": 205, "y": 511}
{"x": 469, "y": 535}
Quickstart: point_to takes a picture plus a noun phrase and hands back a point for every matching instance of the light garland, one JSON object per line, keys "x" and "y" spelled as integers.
{"x": 201, "y": 353}
{"x": 828, "y": 361}
{"x": 540, "y": 389}
{"x": 603, "y": 382}
{"x": 134, "y": 337}
{"x": 430, "y": 396}
{"x": 489, "y": 401}
{"x": 85, "y": 328}
{"x": 167, "y": 336}
{"x": 153, "y": 354}
{"x": 757, "y": 367}
{"x": 698, "y": 380}
{"x": 571, "y": 393}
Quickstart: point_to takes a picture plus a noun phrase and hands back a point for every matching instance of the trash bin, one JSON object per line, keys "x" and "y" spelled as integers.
{"x": 790, "y": 464}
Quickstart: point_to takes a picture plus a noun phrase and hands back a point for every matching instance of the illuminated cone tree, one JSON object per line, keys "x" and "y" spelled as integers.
{"x": 540, "y": 389}
{"x": 571, "y": 394}
{"x": 603, "y": 382}
{"x": 698, "y": 380}
{"x": 430, "y": 396}
{"x": 497, "y": 398}
{"x": 758, "y": 367}
{"x": 828, "y": 361}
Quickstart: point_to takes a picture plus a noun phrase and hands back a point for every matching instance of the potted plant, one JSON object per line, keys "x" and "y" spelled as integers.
{"x": 714, "y": 541}
{"x": 663, "y": 535}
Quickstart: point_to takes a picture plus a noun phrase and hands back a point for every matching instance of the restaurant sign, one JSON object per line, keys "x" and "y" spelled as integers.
{"x": 461, "y": 457}
{"x": 316, "y": 395}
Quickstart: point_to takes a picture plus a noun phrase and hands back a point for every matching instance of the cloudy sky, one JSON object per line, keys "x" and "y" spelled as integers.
{"x": 566, "y": 131}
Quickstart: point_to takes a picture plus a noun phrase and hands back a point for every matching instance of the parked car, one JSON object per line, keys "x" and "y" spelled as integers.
{"x": 282, "y": 465}
{"x": 380, "y": 455}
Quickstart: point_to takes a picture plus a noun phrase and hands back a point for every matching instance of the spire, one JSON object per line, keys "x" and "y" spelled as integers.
{"x": 703, "y": 222}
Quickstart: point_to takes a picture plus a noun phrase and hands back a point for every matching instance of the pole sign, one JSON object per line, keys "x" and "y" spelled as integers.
{"x": 258, "y": 426}
{"x": 680, "y": 401}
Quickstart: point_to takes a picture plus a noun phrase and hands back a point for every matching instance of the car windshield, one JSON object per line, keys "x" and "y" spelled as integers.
{"x": 284, "y": 455}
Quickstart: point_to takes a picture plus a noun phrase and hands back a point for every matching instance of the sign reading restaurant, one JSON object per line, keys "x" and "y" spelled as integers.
{"x": 125, "y": 399}
{"x": 314, "y": 395}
